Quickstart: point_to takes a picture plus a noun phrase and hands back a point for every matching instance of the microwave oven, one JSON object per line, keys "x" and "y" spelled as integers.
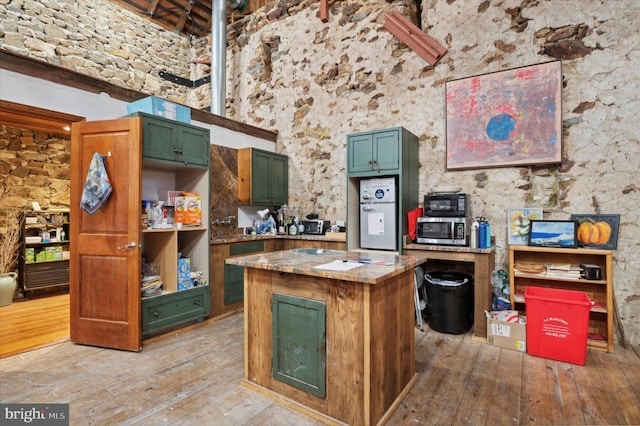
{"x": 316, "y": 226}
{"x": 443, "y": 230}
{"x": 446, "y": 205}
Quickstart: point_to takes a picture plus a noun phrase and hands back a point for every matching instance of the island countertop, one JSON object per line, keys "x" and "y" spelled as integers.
{"x": 366, "y": 267}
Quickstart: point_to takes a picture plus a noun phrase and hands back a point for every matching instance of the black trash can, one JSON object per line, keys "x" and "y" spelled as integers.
{"x": 450, "y": 301}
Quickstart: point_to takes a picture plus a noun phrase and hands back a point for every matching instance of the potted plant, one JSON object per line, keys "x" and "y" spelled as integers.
{"x": 9, "y": 250}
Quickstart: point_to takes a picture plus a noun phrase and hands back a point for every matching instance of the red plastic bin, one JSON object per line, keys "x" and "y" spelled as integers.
{"x": 557, "y": 323}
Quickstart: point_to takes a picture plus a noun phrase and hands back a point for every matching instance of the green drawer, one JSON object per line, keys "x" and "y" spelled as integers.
{"x": 245, "y": 248}
{"x": 169, "y": 310}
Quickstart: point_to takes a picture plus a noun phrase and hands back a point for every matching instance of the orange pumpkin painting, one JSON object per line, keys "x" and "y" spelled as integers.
{"x": 597, "y": 231}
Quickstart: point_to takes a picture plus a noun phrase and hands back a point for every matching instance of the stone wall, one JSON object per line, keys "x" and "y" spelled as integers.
{"x": 317, "y": 82}
{"x": 34, "y": 166}
{"x": 99, "y": 39}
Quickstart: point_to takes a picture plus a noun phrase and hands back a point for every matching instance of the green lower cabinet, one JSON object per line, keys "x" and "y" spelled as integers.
{"x": 234, "y": 274}
{"x": 171, "y": 309}
{"x": 299, "y": 343}
{"x": 233, "y": 284}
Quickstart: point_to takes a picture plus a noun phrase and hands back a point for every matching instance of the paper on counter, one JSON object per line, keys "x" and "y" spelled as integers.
{"x": 338, "y": 265}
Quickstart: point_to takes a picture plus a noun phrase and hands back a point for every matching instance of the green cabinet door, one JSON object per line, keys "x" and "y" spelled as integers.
{"x": 159, "y": 139}
{"x": 279, "y": 183}
{"x": 377, "y": 152}
{"x": 233, "y": 284}
{"x": 386, "y": 146}
{"x": 299, "y": 343}
{"x": 269, "y": 178}
{"x": 170, "y": 141}
{"x": 234, "y": 274}
{"x": 360, "y": 153}
{"x": 193, "y": 144}
{"x": 261, "y": 177}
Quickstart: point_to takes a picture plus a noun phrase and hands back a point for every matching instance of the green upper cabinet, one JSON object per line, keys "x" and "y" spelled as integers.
{"x": 372, "y": 153}
{"x": 173, "y": 142}
{"x": 263, "y": 177}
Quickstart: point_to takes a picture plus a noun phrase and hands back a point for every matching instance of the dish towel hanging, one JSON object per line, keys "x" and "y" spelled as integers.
{"x": 97, "y": 187}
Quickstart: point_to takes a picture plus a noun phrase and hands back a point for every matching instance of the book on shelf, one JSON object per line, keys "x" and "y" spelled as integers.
{"x": 562, "y": 270}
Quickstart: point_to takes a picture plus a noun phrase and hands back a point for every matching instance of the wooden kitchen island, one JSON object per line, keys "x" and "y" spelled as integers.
{"x": 335, "y": 344}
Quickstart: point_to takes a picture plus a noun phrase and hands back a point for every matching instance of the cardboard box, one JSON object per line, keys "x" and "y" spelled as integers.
{"x": 161, "y": 108}
{"x": 184, "y": 267}
{"x": 188, "y": 209}
{"x": 57, "y": 253}
{"x": 184, "y": 283}
{"x": 29, "y": 255}
{"x": 49, "y": 253}
{"x": 508, "y": 335}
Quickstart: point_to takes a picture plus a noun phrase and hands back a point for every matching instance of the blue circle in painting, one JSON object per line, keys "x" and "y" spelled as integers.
{"x": 500, "y": 127}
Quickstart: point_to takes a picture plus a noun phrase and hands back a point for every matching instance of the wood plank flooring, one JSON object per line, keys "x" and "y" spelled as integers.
{"x": 192, "y": 377}
{"x": 33, "y": 323}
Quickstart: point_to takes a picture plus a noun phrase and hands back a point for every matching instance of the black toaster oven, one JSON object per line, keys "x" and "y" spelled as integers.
{"x": 316, "y": 226}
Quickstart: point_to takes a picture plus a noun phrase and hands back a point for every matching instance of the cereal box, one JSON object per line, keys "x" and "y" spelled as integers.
{"x": 184, "y": 267}
{"x": 184, "y": 284}
{"x": 188, "y": 209}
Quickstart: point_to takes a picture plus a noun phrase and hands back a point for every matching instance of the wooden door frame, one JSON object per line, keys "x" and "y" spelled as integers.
{"x": 39, "y": 119}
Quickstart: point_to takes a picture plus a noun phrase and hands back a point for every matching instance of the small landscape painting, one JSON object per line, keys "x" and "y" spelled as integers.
{"x": 505, "y": 118}
{"x": 552, "y": 233}
{"x": 597, "y": 230}
{"x": 518, "y": 224}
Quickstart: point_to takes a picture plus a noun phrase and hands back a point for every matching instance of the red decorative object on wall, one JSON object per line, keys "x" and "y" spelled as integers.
{"x": 425, "y": 46}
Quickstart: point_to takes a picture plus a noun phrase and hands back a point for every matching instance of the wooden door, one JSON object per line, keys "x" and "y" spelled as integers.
{"x": 105, "y": 261}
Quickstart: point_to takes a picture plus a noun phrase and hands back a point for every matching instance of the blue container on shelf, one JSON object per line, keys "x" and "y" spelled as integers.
{"x": 161, "y": 108}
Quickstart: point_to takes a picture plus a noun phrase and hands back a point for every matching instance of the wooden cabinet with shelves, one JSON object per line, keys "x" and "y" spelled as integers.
{"x": 600, "y": 292}
{"x": 263, "y": 178}
{"x": 106, "y": 303}
{"x": 44, "y": 262}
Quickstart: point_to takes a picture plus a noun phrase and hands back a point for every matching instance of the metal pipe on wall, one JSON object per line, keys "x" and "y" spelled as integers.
{"x": 218, "y": 56}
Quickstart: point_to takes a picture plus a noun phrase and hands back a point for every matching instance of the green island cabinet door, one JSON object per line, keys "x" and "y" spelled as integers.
{"x": 299, "y": 343}
{"x": 377, "y": 151}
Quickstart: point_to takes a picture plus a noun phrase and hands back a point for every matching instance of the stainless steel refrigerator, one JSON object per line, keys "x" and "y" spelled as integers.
{"x": 378, "y": 213}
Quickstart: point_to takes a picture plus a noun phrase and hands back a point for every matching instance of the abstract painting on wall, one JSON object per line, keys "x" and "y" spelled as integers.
{"x": 505, "y": 118}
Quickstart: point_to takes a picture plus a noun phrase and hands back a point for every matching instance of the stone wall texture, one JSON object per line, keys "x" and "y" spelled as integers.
{"x": 317, "y": 82}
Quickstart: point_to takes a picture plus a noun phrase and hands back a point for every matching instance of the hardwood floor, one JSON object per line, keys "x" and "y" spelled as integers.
{"x": 192, "y": 377}
{"x": 33, "y": 323}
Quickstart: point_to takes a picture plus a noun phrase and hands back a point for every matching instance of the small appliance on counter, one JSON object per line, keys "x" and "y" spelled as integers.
{"x": 443, "y": 230}
{"x": 446, "y": 205}
{"x": 315, "y": 226}
{"x": 446, "y": 220}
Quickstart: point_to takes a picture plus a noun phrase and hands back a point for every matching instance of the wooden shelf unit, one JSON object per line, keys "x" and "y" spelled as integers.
{"x": 599, "y": 291}
{"x": 44, "y": 274}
